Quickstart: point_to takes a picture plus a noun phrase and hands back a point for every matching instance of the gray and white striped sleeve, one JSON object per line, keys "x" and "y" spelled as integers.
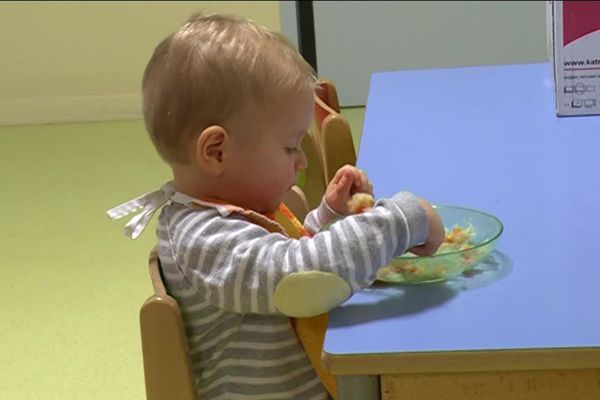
{"x": 320, "y": 217}
{"x": 236, "y": 265}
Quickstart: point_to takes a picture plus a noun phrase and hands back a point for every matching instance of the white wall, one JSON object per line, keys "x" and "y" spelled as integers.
{"x": 355, "y": 39}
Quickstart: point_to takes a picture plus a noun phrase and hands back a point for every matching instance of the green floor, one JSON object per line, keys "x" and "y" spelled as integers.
{"x": 72, "y": 283}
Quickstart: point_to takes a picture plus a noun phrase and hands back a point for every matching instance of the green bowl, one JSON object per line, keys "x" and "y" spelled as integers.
{"x": 447, "y": 262}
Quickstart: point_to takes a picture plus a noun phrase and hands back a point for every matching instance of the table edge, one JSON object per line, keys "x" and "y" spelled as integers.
{"x": 462, "y": 361}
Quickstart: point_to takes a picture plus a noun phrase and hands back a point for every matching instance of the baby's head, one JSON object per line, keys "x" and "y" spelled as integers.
{"x": 231, "y": 75}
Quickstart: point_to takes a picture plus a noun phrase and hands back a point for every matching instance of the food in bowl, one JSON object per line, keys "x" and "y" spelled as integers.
{"x": 470, "y": 237}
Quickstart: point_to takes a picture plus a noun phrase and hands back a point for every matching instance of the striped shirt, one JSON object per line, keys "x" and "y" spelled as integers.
{"x": 223, "y": 271}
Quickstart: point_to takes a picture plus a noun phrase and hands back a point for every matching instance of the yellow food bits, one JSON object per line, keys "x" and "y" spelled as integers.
{"x": 360, "y": 202}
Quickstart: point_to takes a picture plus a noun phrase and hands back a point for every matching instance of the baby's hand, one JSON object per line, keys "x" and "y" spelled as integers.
{"x": 347, "y": 181}
{"x": 435, "y": 235}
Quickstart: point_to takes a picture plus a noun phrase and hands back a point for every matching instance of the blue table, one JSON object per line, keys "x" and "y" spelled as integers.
{"x": 528, "y": 325}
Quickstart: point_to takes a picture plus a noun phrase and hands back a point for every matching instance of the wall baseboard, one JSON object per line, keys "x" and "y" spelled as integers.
{"x": 53, "y": 110}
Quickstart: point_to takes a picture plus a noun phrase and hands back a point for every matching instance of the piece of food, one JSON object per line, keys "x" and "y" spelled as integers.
{"x": 419, "y": 269}
{"x": 458, "y": 238}
{"x": 360, "y": 202}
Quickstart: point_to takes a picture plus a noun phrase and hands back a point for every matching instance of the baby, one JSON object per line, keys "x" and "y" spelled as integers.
{"x": 227, "y": 104}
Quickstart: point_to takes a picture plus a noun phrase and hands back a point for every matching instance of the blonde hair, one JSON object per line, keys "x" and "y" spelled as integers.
{"x": 208, "y": 70}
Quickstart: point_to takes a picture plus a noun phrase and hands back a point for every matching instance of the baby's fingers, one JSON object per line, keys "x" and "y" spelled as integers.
{"x": 370, "y": 189}
{"x": 362, "y": 183}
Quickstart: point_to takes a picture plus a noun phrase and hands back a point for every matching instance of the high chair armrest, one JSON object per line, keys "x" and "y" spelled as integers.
{"x": 167, "y": 365}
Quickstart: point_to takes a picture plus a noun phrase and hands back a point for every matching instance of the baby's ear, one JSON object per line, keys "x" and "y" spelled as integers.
{"x": 209, "y": 150}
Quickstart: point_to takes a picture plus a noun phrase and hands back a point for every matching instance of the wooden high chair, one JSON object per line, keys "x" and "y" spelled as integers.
{"x": 332, "y": 130}
{"x": 314, "y": 182}
{"x": 167, "y": 366}
{"x": 329, "y": 145}
{"x": 296, "y": 201}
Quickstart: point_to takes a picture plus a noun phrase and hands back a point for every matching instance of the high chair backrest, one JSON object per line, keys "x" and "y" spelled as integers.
{"x": 329, "y": 145}
{"x": 332, "y": 130}
{"x": 167, "y": 366}
{"x": 296, "y": 201}
{"x": 327, "y": 92}
{"x": 314, "y": 183}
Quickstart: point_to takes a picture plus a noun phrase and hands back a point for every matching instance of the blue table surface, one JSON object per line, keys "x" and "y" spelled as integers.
{"x": 486, "y": 138}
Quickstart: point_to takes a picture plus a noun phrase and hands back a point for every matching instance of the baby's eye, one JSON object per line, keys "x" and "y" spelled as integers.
{"x": 290, "y": 150}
